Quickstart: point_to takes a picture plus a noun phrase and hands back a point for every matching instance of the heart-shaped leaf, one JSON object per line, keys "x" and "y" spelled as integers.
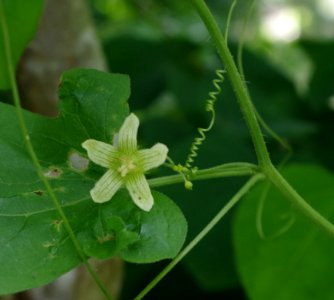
{"x": 290, "y": 261}
{"x": 35, "y": 247}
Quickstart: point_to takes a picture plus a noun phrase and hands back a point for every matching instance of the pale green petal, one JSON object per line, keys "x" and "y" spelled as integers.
{"x": 100, "y": 153}
{"x": 153, "y": 157}
{"x": 127, "y": 137}
{"x": 140, "y": 191}
{"x": 106, "y": 187}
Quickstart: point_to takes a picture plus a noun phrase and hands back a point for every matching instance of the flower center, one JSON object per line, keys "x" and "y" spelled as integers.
{"x": 127, "y": 165}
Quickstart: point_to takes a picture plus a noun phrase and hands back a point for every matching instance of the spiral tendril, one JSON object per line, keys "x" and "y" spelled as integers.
{"x": 209, "y": 107}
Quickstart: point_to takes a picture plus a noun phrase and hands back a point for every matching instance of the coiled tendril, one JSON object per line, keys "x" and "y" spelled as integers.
{"x": 209, "y": 107}
{"x": 187, "y": 170}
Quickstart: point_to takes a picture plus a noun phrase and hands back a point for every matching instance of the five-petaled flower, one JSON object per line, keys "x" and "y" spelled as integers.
{"x": 126, "y": 165}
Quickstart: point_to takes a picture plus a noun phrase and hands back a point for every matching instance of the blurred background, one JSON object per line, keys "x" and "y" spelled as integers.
{"x": 166, "y": 51}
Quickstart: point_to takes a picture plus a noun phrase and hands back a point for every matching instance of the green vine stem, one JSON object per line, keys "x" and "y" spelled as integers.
{"x": 262, "y": 122}
{"x": 33, "y": 155}
{"x": 228, "y": 20}
{"x": 225, "y": 170}
{"x": 249, "y": 113}
{"x": 237, "y": 83}
{"x": 234, "y": 200}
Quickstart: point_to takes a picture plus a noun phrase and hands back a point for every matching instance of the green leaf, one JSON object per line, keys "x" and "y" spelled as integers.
{"x": 296, "y": 263}
{"x": 82, "y": 93}
{"x": 22, "y": 19}
{"x": 162, "y": 231}
{"x": 106, "y": 236}
{"x": 35, "y": 249}
{"x": 137, "y": 236}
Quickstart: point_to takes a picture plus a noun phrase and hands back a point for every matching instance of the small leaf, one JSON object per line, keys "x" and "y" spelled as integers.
{"x": 106, "y": 237}
{"x": 137, "y": 236}
{"x": 162, "y": 231}
{"x": 295, "y": 264}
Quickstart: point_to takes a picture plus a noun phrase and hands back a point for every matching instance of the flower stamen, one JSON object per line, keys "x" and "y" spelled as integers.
{"x": 127, "y": 166}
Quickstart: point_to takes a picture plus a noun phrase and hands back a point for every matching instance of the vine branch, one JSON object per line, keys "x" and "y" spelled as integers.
{"x": 239, "y": 87}
{"x": 225, "y": 170}
{"x": 234, "y": 200}
{"x": 249, "y": 113}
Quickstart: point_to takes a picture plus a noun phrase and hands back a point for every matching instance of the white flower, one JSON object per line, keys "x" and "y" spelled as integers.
{"x": 126, "y": 165}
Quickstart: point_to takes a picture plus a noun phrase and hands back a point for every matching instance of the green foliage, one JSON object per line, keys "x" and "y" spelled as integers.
{"x": 119, "y": 227}
{"x": 170, "y": 80}
{"x": 321, "y": 85}
{"x": 162, "y": 231}
{"x": 21, "y": 27}
{"x": 33, "y": 238}
{"x": 296, "y": 264}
